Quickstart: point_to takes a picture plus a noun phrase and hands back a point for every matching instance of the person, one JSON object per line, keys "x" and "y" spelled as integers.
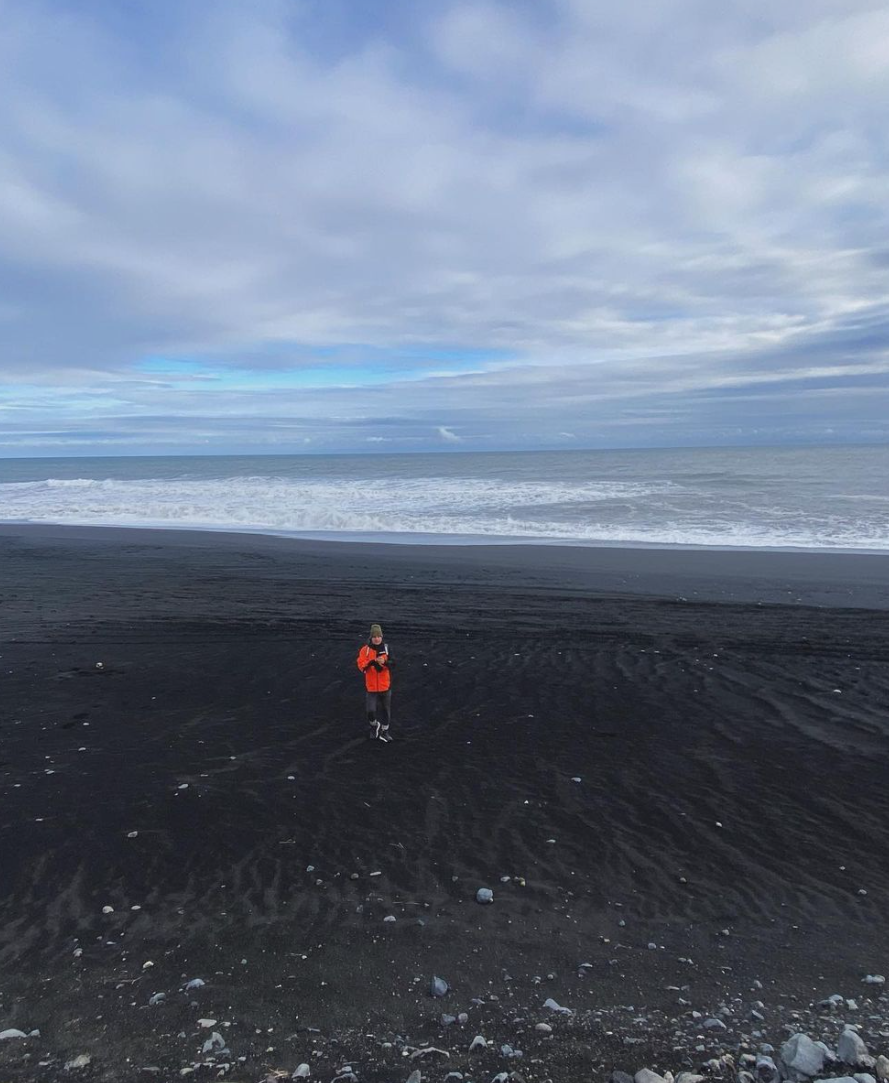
{"x": 374, "y": 662}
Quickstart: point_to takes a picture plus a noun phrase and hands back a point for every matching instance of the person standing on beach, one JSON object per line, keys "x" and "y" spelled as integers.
{"x": 374, "y": 662}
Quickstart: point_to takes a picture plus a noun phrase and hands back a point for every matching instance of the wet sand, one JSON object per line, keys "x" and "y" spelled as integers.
{"x": 694, "y": 744}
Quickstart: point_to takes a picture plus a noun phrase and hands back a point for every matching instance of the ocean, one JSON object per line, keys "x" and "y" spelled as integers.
{"x": 807, "y": 498}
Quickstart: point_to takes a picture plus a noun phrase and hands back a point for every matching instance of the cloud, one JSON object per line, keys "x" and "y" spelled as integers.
{"x": 589, "y": 204}
{"x": 448, "y": 435}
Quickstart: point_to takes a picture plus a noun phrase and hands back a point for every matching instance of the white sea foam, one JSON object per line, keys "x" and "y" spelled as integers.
{"x": 659, "y": 512}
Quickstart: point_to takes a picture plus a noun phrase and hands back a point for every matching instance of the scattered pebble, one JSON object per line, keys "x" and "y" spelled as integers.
{"x": 554, "y": 1007}
{"x": 429, "y": 1051}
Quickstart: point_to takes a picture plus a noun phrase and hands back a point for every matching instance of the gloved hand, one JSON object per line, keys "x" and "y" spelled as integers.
{"x": 377, "y": 666}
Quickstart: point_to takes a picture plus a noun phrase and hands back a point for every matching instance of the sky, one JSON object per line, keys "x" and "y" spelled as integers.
{"x": 332, "y": 226}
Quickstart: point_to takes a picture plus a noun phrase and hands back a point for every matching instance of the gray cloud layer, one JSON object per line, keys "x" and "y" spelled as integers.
{"x": 671, "y": 218}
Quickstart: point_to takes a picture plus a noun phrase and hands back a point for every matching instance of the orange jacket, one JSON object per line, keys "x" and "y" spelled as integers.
{"x": 375, "y": 680}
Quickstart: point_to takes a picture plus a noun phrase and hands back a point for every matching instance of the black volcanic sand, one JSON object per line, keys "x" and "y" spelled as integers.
{"x": 693, "y": 744}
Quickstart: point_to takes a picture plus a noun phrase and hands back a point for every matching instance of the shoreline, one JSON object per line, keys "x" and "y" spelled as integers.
{"x": 455, "y": 541}
{"x": 841, "y": 579}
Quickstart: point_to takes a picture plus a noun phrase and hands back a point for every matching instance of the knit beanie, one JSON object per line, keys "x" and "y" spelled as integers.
{"x": 376, "y": 630}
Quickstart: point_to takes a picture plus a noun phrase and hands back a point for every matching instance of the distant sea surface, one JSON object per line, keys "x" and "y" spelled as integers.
{"x": 810, "y": 498}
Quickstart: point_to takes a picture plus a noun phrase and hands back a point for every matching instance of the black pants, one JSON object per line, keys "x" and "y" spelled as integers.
{"x": 379, "y": 706}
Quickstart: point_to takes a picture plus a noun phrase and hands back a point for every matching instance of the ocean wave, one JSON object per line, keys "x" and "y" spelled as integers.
{"x": 659, "y": 512}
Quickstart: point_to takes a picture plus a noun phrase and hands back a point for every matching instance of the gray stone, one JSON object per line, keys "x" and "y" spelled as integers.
{"x": 554, "y": 1007}
{"x": 484, "y": 895}
{"x": 430, "y": 1051}
{"x": 801, "y": 1054}
{"x": 714, "y": 1024}
{"x": 618, "y": 1076}
{"x": 82, "y": 1061}
{"x": 766, "y": 1070}
{"x": 646, "y": 1075}
{"x": 881, "y": 1066}
{"x": 5, "y": 1035}
{"x": 852, "y": 1050}
{"x": 438, "y": 987}
{"x": 303, "y": 1071}
{"x": 214, "y": 1042}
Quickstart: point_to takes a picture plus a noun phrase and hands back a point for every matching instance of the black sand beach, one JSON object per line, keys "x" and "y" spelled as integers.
{"x": 679, "y": 749}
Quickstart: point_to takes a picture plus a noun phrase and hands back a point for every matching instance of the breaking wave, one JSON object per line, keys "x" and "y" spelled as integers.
{"x": 435, "y": 508}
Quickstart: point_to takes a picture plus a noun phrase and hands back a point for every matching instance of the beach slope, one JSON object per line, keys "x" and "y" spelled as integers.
{"x": 669, "y": 768}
